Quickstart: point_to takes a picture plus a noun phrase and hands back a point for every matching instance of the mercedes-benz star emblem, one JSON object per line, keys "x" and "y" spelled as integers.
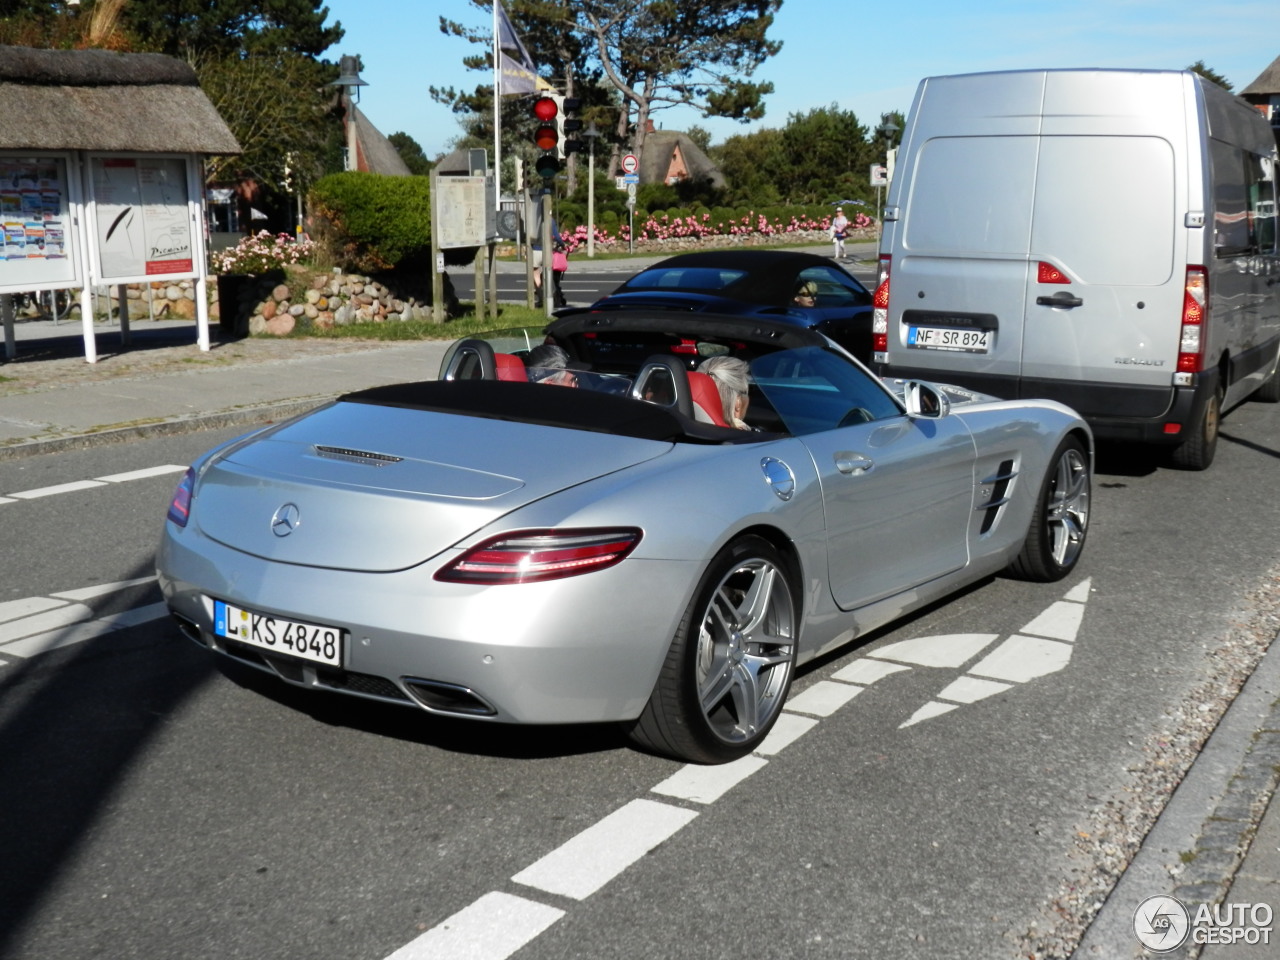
{"x": 285, "y": 520}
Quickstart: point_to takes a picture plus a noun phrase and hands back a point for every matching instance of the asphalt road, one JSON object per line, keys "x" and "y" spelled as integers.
{"x": 154, "y": 804}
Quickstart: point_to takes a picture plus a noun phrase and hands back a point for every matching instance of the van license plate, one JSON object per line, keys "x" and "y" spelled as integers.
{"x": 948, "y": 338}
{"x": 306, "y": 640}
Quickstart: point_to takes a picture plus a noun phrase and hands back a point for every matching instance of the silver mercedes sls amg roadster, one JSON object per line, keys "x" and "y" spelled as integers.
{"x": 653, "y": 524}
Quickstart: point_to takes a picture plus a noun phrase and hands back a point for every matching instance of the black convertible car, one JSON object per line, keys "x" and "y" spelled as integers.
{"x": 760, "y": 283}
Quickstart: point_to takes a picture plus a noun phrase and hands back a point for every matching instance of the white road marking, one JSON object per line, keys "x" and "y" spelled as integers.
{"x": 867, "y": 672}
{"x": 1080, "y": 592}
{"x": 35, "y": 625}
{"x": 707, "y": 784}
{"x": 492, "y": 928}
{"x": 144, "y": 473}
{"x": 99, "y": 590}
{"x": 789, "y": 728}
{"x": 1020, "y": 659}
{"x": 13, "y": 609}
{"x": 823, "y": 698}
{"x": 945, "y": 651}
{"x": 74, "y": 486}
{"x": 56, "y": 489}
{"x": 585, "y": 863}
{"x": 930, "y": 710}
{"x": 971, "y": 690}
{"x": 1061, "y": 621}
{"x": 56, "y": 639}
{"x": 48, "y": 620}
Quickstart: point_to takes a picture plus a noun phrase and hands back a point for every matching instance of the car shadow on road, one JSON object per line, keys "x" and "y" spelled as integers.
{"x": 73, "y": 723}
{"x": 411, "y": 724}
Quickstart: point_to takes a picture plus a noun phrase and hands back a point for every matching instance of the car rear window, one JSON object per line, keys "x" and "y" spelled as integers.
{"x": 685, "y": 278}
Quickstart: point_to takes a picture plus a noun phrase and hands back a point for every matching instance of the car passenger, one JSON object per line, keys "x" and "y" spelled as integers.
{"x": 548, "y": 363}
{"x": 732, "y": 379}
{"x": 806, "y": 294}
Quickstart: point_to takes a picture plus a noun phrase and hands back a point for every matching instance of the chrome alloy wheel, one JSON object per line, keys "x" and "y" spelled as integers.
{"x": 1067, "y": 511}
{"x": 746, "y": 650}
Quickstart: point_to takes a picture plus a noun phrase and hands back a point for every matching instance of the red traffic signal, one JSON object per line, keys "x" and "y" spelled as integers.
{"x": 546, "y": 137}
{"x": 545, "y": 109}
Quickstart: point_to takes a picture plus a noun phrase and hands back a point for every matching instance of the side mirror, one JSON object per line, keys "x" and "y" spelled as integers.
{"x": 925, "y": 401}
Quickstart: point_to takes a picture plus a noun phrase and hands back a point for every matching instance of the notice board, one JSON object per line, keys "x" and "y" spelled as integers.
{"x": 142, "y": 218}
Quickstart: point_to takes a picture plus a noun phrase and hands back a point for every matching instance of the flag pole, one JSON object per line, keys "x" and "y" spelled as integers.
{"x": 497, "y": 111}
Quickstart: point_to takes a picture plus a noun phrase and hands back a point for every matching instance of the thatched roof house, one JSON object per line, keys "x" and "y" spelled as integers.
{"x": 377, "y": 154}
{"x": 670, "y": 157}
{"x": 100, "y": 100}
{"x": 1267, "y": 83}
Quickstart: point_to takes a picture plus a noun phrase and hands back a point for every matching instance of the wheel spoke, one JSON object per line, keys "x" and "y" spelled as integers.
{"x": 755, "y": 603}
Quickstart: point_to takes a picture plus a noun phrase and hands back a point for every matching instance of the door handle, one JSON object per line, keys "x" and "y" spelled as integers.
{"x": 1060, "y": 299}
{"x": 853, "y": 464}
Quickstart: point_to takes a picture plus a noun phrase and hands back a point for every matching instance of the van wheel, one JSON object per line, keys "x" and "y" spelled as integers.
{"x": 1061, "y": 518}
{"x": 730, "y": 663}
{"x": 1196, "y": 452}
{"x": 1269, "y": 392}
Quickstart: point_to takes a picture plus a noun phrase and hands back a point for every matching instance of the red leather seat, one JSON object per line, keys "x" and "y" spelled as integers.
{"x": 706, "y": 397}
{"x": 509, "y": 367}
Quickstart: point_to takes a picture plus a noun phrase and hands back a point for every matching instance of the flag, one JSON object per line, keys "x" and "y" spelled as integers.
{"x": 509, "y": 41}
{"x": 518, "y": 79}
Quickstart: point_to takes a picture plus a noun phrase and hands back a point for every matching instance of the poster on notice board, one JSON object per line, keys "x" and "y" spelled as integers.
{"x": 35, "y": 251}
{"x": 143, "y": 218}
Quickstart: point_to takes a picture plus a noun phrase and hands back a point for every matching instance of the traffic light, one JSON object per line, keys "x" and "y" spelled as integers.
{"x": 569, "y": 126}
{"x": 546, "y": 136}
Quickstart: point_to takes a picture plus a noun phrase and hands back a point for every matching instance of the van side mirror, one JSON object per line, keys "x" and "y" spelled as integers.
{"x": 924, "y": 401}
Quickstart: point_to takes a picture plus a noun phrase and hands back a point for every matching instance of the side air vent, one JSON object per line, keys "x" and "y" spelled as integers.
{"x": 367, "y": 457}
{"x": 999, "y": 485}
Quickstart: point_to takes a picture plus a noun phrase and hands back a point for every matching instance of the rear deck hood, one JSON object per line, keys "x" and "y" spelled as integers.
{"x": 362, "y": 487}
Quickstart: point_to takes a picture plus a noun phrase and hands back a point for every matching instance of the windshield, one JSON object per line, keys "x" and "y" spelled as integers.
{"x": 812, "y": 389}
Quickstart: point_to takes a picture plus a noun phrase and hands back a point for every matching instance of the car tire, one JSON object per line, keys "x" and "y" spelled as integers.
{"x": 1060, "y": 523}
{"x": 730, "y": 664}
{"x": 1196, "y": 452}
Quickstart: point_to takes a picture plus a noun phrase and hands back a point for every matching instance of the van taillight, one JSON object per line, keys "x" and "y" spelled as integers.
{"x": 880, "y": 311}
{"x": 1048, "y": 273}
{"x": 1191, "y": 344}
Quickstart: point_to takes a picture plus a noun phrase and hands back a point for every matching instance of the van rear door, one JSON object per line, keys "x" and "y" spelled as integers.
{"x": 1104, "y": 297}
{"x": 960, "y": 276}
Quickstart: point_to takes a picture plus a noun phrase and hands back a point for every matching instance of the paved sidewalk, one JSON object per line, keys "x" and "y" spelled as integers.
{"x": 52, "y": 399}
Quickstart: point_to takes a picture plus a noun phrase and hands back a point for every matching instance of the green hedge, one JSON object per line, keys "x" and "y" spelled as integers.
{"x": 374, "y": 222}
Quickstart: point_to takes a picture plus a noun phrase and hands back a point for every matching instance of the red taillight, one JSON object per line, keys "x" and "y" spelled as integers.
{"x": 529, "y": 556}
{"x": 1048, "y": 273}
{"x": 686, "y": 346}
{"x": 180, "y": 506}
{"x": 880, "y": 308}
{"x": 1191, "y": 338}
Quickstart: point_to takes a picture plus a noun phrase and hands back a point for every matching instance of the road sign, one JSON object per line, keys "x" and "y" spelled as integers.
{"x": 631, "y": 190}
{"x": 631, "y": 178}
{"x": 630, "y": 163}
{"x": 879, "y": 175}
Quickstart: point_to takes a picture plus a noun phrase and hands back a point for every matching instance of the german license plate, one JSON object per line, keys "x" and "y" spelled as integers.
{"x": 290, "y": 637}
{"x": 948, "y": 338}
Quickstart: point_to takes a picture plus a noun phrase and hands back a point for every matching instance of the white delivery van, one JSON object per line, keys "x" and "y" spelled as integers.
{"x": 1105, "y": 238}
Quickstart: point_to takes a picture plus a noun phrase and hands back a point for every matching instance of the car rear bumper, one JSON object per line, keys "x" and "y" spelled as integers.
{"x": 579, "y": 650}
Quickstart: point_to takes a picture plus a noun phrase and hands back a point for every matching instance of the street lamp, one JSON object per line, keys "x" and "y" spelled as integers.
{"x": 350, "y": 82}
{"x": 886, "y": 130}
{"x": 591, "y": 133}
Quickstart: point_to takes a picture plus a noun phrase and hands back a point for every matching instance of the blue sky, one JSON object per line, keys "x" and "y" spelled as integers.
{"x": 864, "y": 57}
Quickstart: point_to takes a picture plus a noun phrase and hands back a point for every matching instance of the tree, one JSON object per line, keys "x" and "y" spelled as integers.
{"x": 1210, "y": 74}
{"x": 411, "y": 153}
{"x": 275, "y": 106}
{"x": 53, "y": 25}
{"x": 182, "y": 27}
{"x": 665, "y": 54}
